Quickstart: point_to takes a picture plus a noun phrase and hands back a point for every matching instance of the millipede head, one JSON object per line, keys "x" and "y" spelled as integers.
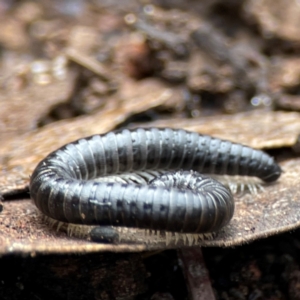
{"x": 273, "y": 172}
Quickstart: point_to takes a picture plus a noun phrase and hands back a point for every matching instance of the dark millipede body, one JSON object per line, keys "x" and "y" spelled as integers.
{"x": 62, "y": 186}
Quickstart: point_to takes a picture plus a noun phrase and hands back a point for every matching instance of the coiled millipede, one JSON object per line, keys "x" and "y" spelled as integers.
{"x": 63, "y": 185}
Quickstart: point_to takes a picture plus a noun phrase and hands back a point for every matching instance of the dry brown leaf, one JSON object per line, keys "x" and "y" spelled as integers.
{"x": 267, "y": 213}
{"x": 280, "y": 20}
{"x": 285, "y": 73}
{"x": 258, "y": 129}
{"x": 22, "y": 109}
{"x": 23, "y": 230}
{"x": 18, "y": 156}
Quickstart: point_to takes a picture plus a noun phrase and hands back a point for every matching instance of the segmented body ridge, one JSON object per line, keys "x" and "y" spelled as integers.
{"x": 63, "y": 188}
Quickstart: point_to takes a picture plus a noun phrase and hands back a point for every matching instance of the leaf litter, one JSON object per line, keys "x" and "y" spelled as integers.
{"x": 199, "y": 70}
{"x": 267, "y": 212}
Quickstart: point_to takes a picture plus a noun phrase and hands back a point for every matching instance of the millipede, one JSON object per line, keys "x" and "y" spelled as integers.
{"x": 64, "y": 187}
